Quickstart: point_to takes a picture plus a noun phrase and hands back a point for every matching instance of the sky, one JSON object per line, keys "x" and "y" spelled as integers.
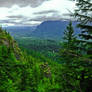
{"x": 34, "y": 12}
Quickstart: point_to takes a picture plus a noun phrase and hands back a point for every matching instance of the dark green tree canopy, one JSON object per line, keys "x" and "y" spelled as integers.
{"x": 83, "y": 13}
{"x": 69, "y": 36}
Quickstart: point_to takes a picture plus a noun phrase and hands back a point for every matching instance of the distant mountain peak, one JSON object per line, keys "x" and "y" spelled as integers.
{"x": 51, "y": 29}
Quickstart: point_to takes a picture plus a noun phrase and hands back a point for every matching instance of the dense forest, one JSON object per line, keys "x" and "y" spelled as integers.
{"x": 36, "y": 65}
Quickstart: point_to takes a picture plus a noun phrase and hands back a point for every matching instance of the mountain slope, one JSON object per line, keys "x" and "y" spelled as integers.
{"x": 52, "y": 29}
{"x": 6, "y": 41}
{"x": 46, "y": 30}
{"x": 20, "y": 31}
{"x": 27, "y": 74}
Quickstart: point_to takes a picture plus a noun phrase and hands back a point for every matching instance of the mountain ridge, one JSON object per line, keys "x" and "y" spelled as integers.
{"x": 46, "y": 30}
{"x": 52, "y": 29}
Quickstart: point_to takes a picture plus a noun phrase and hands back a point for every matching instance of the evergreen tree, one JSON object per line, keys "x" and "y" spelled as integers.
{"x": 74, "y": 69}
{"x": 83, "y": 13}
{"x": 69, "y": 46}
{"x": 69, "y": 36}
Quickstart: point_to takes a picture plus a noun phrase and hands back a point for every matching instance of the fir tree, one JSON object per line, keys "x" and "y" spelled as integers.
{"x": 83, "y": 13}
{"x": 69, "y": 36}
{"x": 69, "y": 46}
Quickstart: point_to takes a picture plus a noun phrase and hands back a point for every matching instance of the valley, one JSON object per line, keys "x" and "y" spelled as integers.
{"x": 44, "y": 59}
{"x": 45, "y": 45}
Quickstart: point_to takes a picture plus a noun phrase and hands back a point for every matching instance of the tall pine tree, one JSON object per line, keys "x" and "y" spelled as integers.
{"x": 83, "y": 13}
{"x": 69, "y": 36}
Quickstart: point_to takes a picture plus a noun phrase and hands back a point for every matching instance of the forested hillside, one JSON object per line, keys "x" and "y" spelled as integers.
{"x": 22, "y": 72}
{"x": 45, "y": 65}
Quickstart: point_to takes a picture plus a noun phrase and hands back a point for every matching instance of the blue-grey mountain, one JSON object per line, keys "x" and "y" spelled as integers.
{"x": 46, "y": 30}
{"x": 20, "y": 31}
{"x": 52, "y": 29}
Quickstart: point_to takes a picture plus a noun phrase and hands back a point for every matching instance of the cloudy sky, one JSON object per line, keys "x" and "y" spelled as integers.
{"x": 33, "y": 12}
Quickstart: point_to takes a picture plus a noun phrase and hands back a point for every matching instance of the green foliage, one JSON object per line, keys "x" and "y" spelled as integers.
{"x": 40, "y": 49}
{"x": 20, "y": 72}
{"x": 69, "y": 36}
{"x": 76, "y": 68}
{"x": 31, "y": 71}
{"x": 83, "y": 15}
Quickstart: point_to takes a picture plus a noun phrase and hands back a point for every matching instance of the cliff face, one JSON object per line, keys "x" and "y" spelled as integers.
{"x": 7, "y": 41}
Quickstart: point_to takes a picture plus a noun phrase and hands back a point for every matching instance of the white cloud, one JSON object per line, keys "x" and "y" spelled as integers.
{"x": 3, "y": 13}
{"x": 29, "y": 13}
{"x": 59, "y": 5}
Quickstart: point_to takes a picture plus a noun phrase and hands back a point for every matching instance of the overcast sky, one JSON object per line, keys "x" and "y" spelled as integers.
{"x": 33, "y": 12}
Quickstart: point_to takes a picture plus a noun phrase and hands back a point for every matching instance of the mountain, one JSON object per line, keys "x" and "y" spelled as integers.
{"x": 21, "y": 72}
{"x": 52, "y": 29}
{"x": 9, "y": 45}
{"x": 46, "y": 30}
{"x": 20, "y": 31}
